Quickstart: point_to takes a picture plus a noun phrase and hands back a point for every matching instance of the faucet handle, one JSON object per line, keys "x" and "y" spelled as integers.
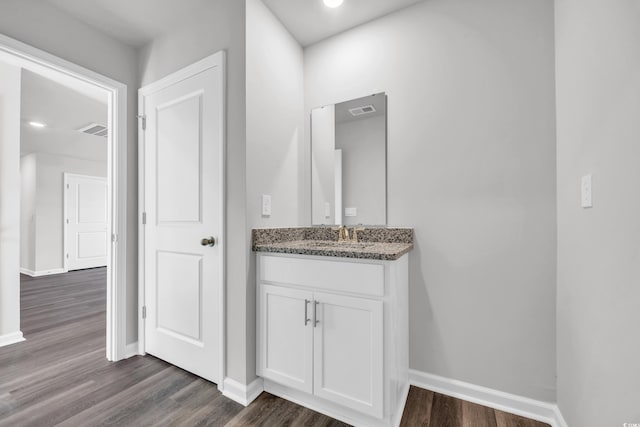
{"x": 343, "y": 233}
{"x": 354, "y": 236}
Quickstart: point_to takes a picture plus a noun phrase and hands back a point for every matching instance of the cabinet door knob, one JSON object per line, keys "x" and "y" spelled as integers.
{"x": 306, "y": 315}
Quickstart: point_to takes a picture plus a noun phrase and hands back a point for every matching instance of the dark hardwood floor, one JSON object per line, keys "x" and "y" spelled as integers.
{"x": 59, "y": 377}
{"x": 428, "y": 409}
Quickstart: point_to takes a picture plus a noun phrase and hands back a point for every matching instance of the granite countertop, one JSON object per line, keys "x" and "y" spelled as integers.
{"x": 377, "y": 243}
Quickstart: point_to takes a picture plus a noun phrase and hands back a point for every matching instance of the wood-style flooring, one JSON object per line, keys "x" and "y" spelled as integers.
{"x": 60, "y": 377}
{"x": 428, "y": 409}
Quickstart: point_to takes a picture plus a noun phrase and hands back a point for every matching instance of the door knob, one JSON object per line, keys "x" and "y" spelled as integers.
{"x": 208, "y": 241}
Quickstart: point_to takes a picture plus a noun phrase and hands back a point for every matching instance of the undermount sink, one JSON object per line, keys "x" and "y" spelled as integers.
{"x": 339, "y": 245}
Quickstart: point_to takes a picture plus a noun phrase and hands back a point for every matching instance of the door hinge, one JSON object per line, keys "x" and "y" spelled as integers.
{"x": 143, "y": 121}
{"x": 114, "y": 237}
{"x": 144, "y": 311}
{"x": 144, "y": 218}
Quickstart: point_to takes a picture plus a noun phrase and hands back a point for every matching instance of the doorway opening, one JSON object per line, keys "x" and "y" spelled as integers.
{"x": 108, "y": 245}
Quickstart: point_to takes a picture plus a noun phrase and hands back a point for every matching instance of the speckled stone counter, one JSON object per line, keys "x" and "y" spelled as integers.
{"x": 379, "y": 243}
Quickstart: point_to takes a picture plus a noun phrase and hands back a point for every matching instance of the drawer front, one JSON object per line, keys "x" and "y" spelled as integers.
{"x": 341, "y": 276}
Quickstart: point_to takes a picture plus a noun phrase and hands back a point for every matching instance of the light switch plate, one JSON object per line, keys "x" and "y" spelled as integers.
{"x": 350, "y": 212}
{"x": 266, "y": 205}
{"x": 586, "y": 201}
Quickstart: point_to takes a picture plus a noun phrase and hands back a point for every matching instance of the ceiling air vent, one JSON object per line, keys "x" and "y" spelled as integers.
{"x": 95, "y": 129}
{"x": 359, "y": 111}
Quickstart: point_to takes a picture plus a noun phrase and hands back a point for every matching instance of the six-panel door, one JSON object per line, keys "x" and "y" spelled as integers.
{"x": 348, "y": 352}
{"x": 286, "y": 336}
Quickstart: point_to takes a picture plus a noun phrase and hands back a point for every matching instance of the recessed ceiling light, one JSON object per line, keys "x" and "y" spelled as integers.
{"x": 333, "y": 3}
{"x": 37, "y": 124}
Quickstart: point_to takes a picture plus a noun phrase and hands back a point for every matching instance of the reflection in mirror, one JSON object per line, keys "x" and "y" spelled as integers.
{"x": 348, "y": 162}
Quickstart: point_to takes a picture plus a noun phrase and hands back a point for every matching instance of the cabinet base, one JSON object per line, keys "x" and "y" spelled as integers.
{"x": 338, "y": 412}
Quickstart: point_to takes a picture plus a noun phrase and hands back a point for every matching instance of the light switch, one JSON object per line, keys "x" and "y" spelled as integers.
{"x": 350, "y": 212}
{"x": 266, "y": 205}
{"x": 586, "y": 192}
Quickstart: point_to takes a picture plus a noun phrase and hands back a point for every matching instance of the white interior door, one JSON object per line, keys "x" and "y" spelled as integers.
{"x": 85, "y": 225}
{"x": 183, "y": 202}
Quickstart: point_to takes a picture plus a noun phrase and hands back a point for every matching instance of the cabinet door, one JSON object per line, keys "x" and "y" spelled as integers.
{"x": 285, "y": 354}
{"x": 348, "y": 352}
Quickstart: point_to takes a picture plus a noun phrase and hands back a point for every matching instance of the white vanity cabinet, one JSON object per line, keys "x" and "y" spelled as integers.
{"x": 333, "y": 334}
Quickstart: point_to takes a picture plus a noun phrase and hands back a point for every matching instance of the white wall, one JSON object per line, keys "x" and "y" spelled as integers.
{"x": 598, "y": 104}
{"x": 219, "y": 26}
{"x": 275, "y": 127}
{"x": 275, "y": 121}
{"x": 471, "y": 155}
{"x": 41, "y": 25}
{"x": 28, "y": 212}
{"x": 363, "y": 169}
{"x": 9, "y": 200}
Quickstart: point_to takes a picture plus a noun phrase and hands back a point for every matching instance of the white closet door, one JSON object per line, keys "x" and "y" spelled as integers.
{"x": 86, "y": 221}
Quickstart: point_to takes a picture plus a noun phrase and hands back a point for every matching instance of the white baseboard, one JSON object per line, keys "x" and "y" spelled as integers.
{"x": 27, "y": 272}
{"x": 560, "y": 421}
{"x": 131, "y": 350}
{"x": 546, "y": 412}
{"x": 42, "y": 272}
{"x": 11, "y": 338}
{"x": 243, "y": 394}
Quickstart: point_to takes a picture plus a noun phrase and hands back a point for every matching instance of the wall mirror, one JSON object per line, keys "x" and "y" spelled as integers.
{"x": 349, "y": 162}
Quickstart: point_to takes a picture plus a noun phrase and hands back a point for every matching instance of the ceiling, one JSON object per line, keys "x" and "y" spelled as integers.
{"x": 64, "y": 111}
{"x": 134, "y": 22}
{"x": 137, "y": 22}
{"x": 310, "y": 21}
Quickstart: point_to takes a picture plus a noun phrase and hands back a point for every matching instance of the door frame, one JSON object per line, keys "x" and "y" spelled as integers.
{"x": 216, "y": 60}
{"x": 65, "y": 214}
{"x": 28, "y": 57}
